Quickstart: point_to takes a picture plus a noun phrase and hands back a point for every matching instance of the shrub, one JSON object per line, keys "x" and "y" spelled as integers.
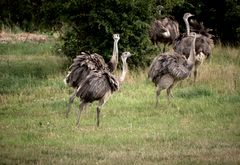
{"x": 94, "y": 23}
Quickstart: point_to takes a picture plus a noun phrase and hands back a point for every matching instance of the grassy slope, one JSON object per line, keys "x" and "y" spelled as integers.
{"x": 200, "y": 127}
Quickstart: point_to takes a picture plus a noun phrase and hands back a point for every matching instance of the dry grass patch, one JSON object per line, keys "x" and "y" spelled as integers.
{"x": 222, "y": 78}
{"x": 9, "y": 37}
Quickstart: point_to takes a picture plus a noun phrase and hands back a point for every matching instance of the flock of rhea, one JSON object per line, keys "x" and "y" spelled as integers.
{"x": 93, "y": 80}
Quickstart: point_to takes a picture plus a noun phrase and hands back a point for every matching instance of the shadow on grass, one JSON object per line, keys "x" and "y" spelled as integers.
{"x": 195, "y": 92}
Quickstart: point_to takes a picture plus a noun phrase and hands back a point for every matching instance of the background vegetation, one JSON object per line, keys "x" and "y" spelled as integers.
{"x": 89, "y": 25}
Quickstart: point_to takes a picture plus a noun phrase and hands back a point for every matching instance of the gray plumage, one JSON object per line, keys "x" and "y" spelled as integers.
{"x": 199, "y": 28}
{"x": 98, "y": 86}
{"x": 85, "y": 63}
{"x": 203, "y": 46}
{"x": 170, "y": 63}
{"x": 82, "y": 65}
{"x": 170, "y": 67}
{"x": 164, "y": 30}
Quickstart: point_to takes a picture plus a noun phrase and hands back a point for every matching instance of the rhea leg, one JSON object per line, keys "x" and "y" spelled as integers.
{"x": 196, "y": 66}
{"x": 82, "y": 106}
{"x": 158, "y": 92}
{"x": 99, "y": 110}
{"x": 71, "y": 99}
{"x": 98, "y": 114}
{"x": 195, "y": 71}
{"x": 101, "y": 104}
{"x": 169, "y": 92}
{"x": 166, "y": 82}
{"x": 165, "y": 47}
{"x": 195, "y": 74}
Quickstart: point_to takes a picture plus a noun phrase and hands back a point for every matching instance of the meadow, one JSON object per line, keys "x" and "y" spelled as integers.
{"x": 200, "y": 126}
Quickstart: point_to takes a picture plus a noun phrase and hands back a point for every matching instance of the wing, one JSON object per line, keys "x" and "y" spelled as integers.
{"x": 203, "y": 44}
{"x": 92, "y": 61}
{"x": 200, "y": 28}
{"x": 172, "y": 26}
{"x": 178, "y": 67}
{"x": 183, "y": 45}
{"x": 114, "y": 84}
{"x": 96, "y": 85}
{"x": 158, "y": 67}
{"x": 169, "y": 63}
{"x": 156, "y": 30}
{"x": 82, "y": 65}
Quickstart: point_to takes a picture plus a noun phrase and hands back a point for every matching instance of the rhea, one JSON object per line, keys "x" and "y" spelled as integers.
{"x": 98, "y": 86}
{"x": 85, "y": 63}
{"x": 203, "y": 48}
{"x": 164, "y": 30}
{"x": 169, "y": 68}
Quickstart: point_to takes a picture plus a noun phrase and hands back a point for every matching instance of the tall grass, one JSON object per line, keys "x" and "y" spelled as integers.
{"x": 201, "y": 126}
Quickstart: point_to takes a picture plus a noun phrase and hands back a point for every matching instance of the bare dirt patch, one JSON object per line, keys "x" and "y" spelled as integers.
{"x": 6, "y": 37}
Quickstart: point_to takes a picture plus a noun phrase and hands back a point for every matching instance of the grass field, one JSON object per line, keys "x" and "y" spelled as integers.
{"x": 201, "y": 126}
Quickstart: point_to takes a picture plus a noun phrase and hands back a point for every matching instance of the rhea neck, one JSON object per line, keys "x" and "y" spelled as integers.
{"x": 114, "y": 58}
{"x": 192, "y": 56}
{"x": 124, "y": 70}
{"x": 187, "y": 25}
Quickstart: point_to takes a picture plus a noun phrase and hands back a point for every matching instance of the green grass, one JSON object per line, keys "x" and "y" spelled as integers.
{"x": 26, "y": 48}
{"x": 200, "y": 126}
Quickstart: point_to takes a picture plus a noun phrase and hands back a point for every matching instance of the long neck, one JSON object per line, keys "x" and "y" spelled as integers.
{"x": 124, "y": 70}
{"x": 192, "y": 55}
{"x": 114, "y": 58}
{"x": 187, "y": 26}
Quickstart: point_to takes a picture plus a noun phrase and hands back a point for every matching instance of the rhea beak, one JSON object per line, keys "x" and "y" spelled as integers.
{"x": 130, "y": 55}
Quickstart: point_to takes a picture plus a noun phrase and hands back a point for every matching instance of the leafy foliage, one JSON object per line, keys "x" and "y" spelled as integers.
{"x": 101, "y": 19}
{"x": 92, "y": 23}
{"x": 222, "y": 18}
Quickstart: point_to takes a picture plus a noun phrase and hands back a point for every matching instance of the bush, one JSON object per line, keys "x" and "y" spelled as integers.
{"x": 92, "y": 29}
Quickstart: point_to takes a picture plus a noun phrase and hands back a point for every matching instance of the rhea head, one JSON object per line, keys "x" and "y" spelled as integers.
{"x": 125, "y": 55}
{"x": 116, "y": 36}
{"x": 187, "y": 15}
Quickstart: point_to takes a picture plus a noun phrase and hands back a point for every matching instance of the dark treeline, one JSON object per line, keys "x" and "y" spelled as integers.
{"x": 91, "y": 23}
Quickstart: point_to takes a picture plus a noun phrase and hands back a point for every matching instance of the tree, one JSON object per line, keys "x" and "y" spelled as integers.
{"x": 94, "y": 22}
